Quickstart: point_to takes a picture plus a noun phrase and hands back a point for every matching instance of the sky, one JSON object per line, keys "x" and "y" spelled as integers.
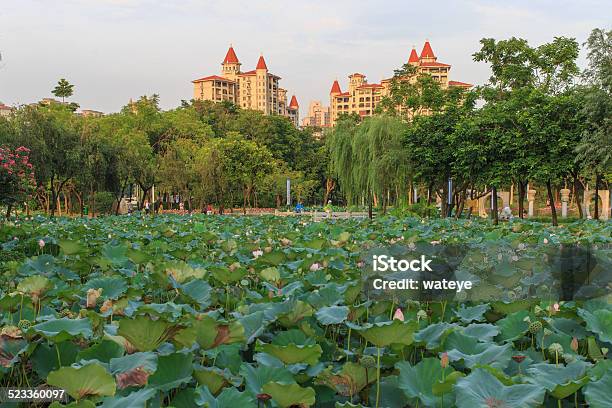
{"x": 114, "y": 50}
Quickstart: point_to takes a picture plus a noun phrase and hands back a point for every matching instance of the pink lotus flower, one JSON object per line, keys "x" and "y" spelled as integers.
{"x": 41, "y": 243}
{"x": 315, "y": 267}
{"x": 257, "y": 253}
{"x": 398, "y": 315}
{"x": 444, "y": 360}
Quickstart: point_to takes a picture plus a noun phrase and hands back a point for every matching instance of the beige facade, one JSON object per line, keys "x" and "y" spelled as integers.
{"x": 362, "y": 98}
{"x": 318, "y": 115}
{"x": 257, "y": 89}
{"x": 5, "y": 110}
{"x": 90, "y": 113}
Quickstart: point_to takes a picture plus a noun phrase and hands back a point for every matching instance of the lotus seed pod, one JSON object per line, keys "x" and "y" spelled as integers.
{"x": 24, "y": 324}
{"x": 547, "y": 332}
{"x": 367, "y": 362}
{"x": 421, "y": 314}
{"x": 535, "y": 327}
{"x": 555, "y": 348}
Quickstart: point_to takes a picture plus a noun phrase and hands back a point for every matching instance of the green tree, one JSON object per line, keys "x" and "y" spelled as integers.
{"x": 595, "y": 148}
{"x": 63, "y": 89}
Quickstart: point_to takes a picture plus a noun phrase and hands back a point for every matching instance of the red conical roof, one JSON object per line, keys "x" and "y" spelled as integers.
{"x": 261, "y": 64}
{"x": 413, "y": 56}
{"x": 230, "y": 57}
{"x": 294, "y": 104}
{"x": 335, "y": 88}
{"x": 427, "y": 51}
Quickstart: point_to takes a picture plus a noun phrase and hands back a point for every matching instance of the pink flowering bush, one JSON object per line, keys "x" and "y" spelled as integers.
{"x": 16, "y": 176}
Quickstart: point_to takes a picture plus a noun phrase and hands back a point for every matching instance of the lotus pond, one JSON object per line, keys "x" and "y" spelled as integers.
{"x": 270, "y": 312}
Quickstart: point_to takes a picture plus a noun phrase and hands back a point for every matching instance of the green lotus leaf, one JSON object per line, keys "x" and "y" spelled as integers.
{"x": 45, "y": 357}
{"x": 228, "y": 276}
{"x": 71, "y": 247}
{"x": 254, "y": 325}
{"x": 136, "y": 399}
{"x": 34, "y": 285}
{"x": 209, "y": 333}
{"x": 293, "y": 354}
{"x": 348, "y": 405}
{"x": 434, "y": 334}
{"x": 257, "y": 376}
{"x": 103, "y": 351}
{"x": 299, "y": 311}
{"x": 481, "y": 331}
{"x": 198, "y": 290}
{"x": 182, "y": 272}
{"x": 287, "y": 395}
{"x": 229, "y": 398}
{"x": 270, "y": 274}
{"x": 10, "y": 349}
{"x": 599, "y": 322}
{"x": 418, "y": 381}
{"x": 146, "y": 361}
{"x": 446, "y": 385}
{"x": 332, "y": 314}
{"x": 115, "y": 255}
{"x": 513, "y": 326}
{"x": 172, "y": 371}
{"x": 295, "y": 336}
{"x": 62, "y": 329}
{"x": 470, "y": 314}
{"x": 387, "y": 333}
{"x": 593, "y": 350}
{"x": 561, "y": 381}
{"x": 349, "y": 380}
{"x": 112, "y": 287}
{"x": 597, "y": 393}
{"x": 75, "y": 404}
{"x": 144, "y": 334}
{"x": 462, "y": 347}
{"x": 481, "y": 389}
{"x": 89, "y": 380}
{"x": 215, "y": 378}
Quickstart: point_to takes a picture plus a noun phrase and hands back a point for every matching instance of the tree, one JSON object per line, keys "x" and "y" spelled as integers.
{"x": 63, "y": 89}
{"x": 16, "y": 177}
{"x": 595, "y": 148}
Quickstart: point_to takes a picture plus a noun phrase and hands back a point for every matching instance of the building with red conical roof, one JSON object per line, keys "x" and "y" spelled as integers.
{"x": 362, "y": 97}
{"x": 257, "y": 89}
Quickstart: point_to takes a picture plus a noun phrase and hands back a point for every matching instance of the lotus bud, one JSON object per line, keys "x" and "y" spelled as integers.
{"x": 398, "y": 315}
{"x": 270, "y": 294}
{"x": 257, "y": 253}
{"x": 234, "y": 266}
{"x": 519, "y": 358}
{"x": 268, "y": 249}
{"x": 41, "y": 243}
{"x": 535, "y": 327}
{"x": 555, "y": 348}
{"x": 421, "y": 314}
{"x": 106, "y": 306}
{"x": 574, "y": 344}
{"x": 83, "y": 313}
{"x": 604, "y": 350}
{"x": 545, "y": 240}
{"x": 444, "y": 360}
{"x": 314, "y": 267}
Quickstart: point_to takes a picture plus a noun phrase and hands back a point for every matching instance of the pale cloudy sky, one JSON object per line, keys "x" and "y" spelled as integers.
{"x": 113, "y": 50}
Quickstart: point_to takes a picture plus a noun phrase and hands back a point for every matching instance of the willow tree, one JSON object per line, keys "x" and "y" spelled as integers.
{"x": 369, "y": 159}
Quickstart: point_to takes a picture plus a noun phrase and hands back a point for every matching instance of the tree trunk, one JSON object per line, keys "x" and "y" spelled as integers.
{"x": 596, "y": 215}
{"x": 53, "y": 197}
{"x": 370, "y": 206}
{"x": 8, "y": 211}
{"x": 123, "y": 186}
{"x": 521, "y": 201}
{"x": 578, "y": 195}
{"x": 551, "y": 199}
{"x": 494, "y": 213}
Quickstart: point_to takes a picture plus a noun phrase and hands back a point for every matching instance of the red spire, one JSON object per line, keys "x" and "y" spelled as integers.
{"x": 230, "y": 57}
{"x": 335, "y": 88}
{"x": 413, "y": 56}
{"x": 427, "y": 51}
{"x": 293, "y": 104}
{"x": 261, "y": 64}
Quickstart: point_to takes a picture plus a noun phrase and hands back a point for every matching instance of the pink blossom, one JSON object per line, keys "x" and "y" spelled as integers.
{"x": 41, "y": 243}
{"x": 315, "y": 267}
{"x": 398, "y": 315}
